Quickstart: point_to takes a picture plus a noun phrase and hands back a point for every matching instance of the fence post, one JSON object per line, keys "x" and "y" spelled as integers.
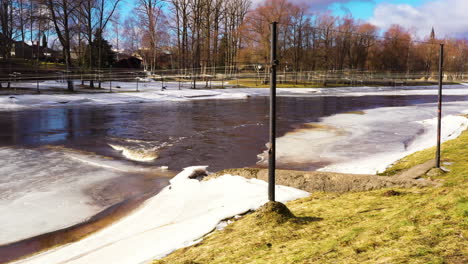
{"x": 162, "y": 80}
{"x": 110, "y": 80}
{"x": 194, "y": 78}
{"x": 222, "y": 81}
{"x": 439, "y": 105}
{"x": 272, "y": 148}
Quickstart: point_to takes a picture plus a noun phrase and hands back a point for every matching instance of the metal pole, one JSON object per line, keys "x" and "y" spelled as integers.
{"x": 272, "y": 149}
{"x": 194, "y": 78}
{"x": 162, "y": 81}
{"x": 110, "y": 83}
{"x": 222, "y": 81}
{"x": 439, "y": 106}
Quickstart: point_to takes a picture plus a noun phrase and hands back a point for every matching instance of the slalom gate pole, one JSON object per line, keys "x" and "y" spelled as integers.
{"x": 439, "y": 105}
{"x": 272, "y": 147}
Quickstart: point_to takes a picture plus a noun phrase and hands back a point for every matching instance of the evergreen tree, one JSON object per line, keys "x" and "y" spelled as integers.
{"x": 108, "y": 56}
{"x": 44, "y": 41}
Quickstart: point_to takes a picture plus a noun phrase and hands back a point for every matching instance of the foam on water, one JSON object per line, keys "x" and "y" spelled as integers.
{"x": 141, "y": 150}
{"x": 137, "y": 154}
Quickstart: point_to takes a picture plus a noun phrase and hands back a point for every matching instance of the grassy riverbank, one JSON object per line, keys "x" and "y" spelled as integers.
{"x": 252, "y": 83}
{"x": 414, "y": 225}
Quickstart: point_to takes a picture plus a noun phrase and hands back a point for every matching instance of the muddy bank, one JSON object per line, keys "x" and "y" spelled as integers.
{"x": 313, "y": 181}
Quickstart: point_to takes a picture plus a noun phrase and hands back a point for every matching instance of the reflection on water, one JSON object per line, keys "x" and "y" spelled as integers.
{"x": 218, "y": 133}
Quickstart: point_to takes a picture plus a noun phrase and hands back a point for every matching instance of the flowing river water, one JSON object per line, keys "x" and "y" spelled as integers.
{"x": 219, "y": 133}
{"x": 58, "y": 163}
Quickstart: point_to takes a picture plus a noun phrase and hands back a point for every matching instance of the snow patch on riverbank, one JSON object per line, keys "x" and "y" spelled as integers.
{"x": 453, "y": 126}
{"x": 18, "y": 102}
{"x": 43, "y": 190}
{"x": 368, "y": 143}
{"x": 176, "y": 217}
{"x": 152, "y": 95}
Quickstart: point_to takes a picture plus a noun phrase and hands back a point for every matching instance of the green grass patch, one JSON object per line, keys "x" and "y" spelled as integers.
{"x": 412, "y": 225}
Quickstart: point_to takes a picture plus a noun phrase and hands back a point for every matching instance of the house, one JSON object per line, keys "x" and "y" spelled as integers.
{"x": 48, "y": 54}
{"x": 21, "y": 50}
{"x": 129, "y": 62}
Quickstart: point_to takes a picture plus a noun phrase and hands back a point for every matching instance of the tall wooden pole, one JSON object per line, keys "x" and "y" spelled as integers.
{"x": 272, "y": 149}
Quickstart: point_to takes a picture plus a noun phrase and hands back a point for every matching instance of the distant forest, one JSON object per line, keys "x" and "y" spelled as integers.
{"x": 217, "y": 34}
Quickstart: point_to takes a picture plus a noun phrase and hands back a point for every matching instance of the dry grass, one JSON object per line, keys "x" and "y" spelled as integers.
{"x": 426, "y": 225}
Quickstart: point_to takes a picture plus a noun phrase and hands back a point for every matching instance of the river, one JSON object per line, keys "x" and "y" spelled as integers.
{"x": 61, "y": 162}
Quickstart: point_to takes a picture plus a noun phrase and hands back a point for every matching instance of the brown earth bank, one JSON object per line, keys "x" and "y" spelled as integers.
{"x": 312, "y": 181}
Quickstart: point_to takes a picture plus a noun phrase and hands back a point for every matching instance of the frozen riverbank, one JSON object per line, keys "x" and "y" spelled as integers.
{"x": 368, "y": 142}
{"x": 176, "y": 217}
{"x": 43, "y": 190}
{"x": 153, "y": 94}
{"x": 197, "y": 132}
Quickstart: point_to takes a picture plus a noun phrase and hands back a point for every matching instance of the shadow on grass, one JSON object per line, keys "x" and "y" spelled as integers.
{"x": 305, "y": 220}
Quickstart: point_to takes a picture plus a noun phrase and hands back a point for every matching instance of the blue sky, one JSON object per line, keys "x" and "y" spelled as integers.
{"x": 364, "y": 9}
{"x": 448, "y": 17}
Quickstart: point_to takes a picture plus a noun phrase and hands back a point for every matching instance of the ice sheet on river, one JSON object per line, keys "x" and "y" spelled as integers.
{"x": 18, "y": 102}
{"x": 43, "y": 190}
{"x": 176, "y": 217}
{"x": 368, "y": 142}
{"x": 153, "y": 93}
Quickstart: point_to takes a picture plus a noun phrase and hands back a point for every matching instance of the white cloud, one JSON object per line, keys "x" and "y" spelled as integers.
{"x": 448, "y": 17}
{"x": 313, "y": 4}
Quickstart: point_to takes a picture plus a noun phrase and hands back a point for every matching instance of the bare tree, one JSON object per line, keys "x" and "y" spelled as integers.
{"x": 7, "y": 27}
{"x": 61, "y": 12}
{"x": 151, "y": 16}
{"x": 116, "y": 29}
{"x": 131, "y": 35}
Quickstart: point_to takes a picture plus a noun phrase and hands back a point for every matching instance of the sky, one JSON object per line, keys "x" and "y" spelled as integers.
{"x": 448, "y": 17}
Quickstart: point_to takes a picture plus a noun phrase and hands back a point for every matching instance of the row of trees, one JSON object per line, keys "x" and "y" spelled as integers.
{"x": 218, "y": 34}
{"x": 193, "y": 33}
{"x": 225, "y": 34}
{"x": 76, "y": 25}
{"x": 320, "y": 41}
